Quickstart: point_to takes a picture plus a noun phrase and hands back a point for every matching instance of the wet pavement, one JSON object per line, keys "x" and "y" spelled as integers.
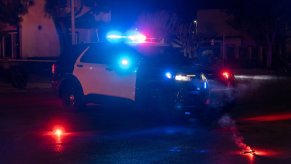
{"x": 258, "y": 130}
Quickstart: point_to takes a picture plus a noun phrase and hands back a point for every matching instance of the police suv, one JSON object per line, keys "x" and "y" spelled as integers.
{"x": 150, "y": 76}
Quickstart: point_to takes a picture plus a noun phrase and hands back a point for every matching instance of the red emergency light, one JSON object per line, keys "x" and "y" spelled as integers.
{"x": 132, "y": 37}
{"x": 226, "y": 74}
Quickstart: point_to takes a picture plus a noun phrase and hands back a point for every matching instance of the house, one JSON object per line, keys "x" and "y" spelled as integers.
{"x": 38, "y": 35}
{"x": 233, "y": 46}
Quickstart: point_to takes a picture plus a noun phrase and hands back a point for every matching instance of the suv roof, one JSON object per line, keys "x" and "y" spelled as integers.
{"x": 151, "y": 51}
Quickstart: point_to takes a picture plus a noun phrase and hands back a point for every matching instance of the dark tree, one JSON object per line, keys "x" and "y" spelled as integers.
{"x": 57, "y": 9}
{"x": 160, "y": 24}
{"x": 60, "y": 11}
{"x": 11, "y": 11}
{"x": 266, "y": 21}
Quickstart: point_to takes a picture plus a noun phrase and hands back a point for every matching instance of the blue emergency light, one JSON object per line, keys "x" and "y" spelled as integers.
{"x": 116, "y": 36}
{"x": 124, "y": 63}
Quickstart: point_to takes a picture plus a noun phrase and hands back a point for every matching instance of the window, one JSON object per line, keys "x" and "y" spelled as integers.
{"x": 97, "y": 55}
{"x": 8, "y": 47}
{"x": 107, "y": 54}
{"x": 165, "y": 56}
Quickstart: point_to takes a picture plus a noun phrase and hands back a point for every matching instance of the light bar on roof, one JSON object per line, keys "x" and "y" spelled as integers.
{"x": 131, "y": 37}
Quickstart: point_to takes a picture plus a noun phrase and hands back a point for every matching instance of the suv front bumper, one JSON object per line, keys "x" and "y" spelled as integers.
{"x": 218, "y": 95}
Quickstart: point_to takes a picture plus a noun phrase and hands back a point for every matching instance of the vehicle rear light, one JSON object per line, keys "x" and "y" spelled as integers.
{"x": 54, "y": 68}
{"x": 226, "y": 75}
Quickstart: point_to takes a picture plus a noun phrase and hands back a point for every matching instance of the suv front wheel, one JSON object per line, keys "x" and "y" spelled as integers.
{"x": 72, "y": 95}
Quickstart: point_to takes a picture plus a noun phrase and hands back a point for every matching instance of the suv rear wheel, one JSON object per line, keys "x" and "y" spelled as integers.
{"x": 72, "y": 96}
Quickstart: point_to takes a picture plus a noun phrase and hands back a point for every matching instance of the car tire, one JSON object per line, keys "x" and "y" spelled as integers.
{"x": 72, "y": 96}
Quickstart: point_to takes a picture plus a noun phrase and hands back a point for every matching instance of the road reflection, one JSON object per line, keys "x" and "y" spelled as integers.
{"x": 269, "y": 118}
{"x": 251, "y": 152}
{"x": 59, "y": 136}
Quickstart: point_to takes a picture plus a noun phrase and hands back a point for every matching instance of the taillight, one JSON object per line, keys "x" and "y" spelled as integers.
{"x": 226, "y": 75}
{"x": 54, "y": 68}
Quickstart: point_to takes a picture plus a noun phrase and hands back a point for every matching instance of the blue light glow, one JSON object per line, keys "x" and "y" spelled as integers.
{"x": 124, "y": 63}
{"x": 114, "y": 36}
{"x": 205, "y": 85}
{"x": 129, "y": 37}
{"x": 168, "y": 75}
{"x": 187, "y": 113}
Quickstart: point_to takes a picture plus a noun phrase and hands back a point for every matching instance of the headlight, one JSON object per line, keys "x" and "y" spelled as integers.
{"x": 182, "y": 78}
{"x": 168, "y": 75}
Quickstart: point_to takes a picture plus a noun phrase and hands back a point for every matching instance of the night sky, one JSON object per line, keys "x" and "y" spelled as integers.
{"x": 125, "y": 12}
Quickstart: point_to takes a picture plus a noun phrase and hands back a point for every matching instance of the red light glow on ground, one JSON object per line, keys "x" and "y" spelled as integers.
{"x": 269, "y": 118}
{"x": 247, "y": 150}
{"x": 58, "y": 134}
{"x": 258, "y": 153}
{"x": 250, "y": 156}
{"x": 269, "y": 153}
{"x": 227, "y": 122}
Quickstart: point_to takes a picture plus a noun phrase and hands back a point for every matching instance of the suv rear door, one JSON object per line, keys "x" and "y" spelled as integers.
{"x": 98, "y": 75}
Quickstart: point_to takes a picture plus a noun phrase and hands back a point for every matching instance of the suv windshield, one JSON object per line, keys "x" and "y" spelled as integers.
{"x": 160, "y": 56}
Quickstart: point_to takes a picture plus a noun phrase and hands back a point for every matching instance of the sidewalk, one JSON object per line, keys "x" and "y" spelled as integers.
{"x": 34, "y": 82}
{"x": 30, "y": 85}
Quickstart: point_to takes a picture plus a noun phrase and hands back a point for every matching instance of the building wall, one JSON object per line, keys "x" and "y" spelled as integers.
{"x": 214, "y": 21}
{"x": 38, "y": 35}
{"x": 236, "y": 47}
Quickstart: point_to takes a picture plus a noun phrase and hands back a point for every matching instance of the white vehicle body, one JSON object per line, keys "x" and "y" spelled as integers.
{"x": 101, "y": 79}
{"x": 149, "y": 77}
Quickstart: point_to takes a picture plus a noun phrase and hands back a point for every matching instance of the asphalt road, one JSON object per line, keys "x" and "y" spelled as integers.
{"x": 258, "y": 130}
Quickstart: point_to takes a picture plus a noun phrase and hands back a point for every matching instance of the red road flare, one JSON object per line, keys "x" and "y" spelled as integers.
{"x": 261, "y": 152}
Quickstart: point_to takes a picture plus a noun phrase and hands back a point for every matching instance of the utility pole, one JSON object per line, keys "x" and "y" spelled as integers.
{"x": 73, "y": 30}
{"x": 195, "y": 23}
{"x": 223, "y": 49}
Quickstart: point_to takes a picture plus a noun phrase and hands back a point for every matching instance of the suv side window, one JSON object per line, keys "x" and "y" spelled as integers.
{"x": 97, "y": 55}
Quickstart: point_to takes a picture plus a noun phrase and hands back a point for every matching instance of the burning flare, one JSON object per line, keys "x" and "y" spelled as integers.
{"x": 227, "y": 122}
